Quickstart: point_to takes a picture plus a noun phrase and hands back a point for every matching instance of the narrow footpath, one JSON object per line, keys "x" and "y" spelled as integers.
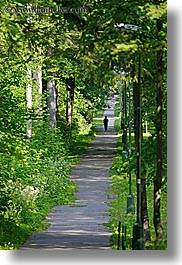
{"x": 82, "y": 224}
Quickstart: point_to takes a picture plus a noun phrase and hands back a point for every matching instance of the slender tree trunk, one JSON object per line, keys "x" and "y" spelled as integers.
{"x": 52, "y": 93}
{"x": 52, "y": 101}
{"x": 139, "y": 134}
{"x": 70, "y": 87}
{"x": 124, "y": 136}
{"x": 29, "y": 103}
{"x": 158, "y": 177}
{"x": 145, "y": 218}
{"x": 120, "y": 99}
{"x": 38, "y": 78}
{"x": 122, "y": 110}
{"x": 135, "y": 104}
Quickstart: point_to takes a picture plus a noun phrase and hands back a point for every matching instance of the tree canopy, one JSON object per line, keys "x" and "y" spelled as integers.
{"x": 58, "y": 62}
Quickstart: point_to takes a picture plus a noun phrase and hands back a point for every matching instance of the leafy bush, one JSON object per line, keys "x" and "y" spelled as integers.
{"x": 34, "y": 177}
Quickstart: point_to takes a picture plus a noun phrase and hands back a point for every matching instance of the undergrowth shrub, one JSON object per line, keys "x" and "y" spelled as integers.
{"x": 34, "y": 177}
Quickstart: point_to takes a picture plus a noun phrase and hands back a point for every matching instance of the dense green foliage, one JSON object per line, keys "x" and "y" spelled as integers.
{"x": 82, "y": 46}
{"x": 120, "y": 190}
{"x": 34, "y": 178}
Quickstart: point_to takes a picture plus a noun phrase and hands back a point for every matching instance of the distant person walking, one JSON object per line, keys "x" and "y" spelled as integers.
{"x": 105, "y": 123}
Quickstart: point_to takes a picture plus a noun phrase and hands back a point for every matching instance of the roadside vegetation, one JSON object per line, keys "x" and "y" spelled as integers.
{"x": 57, "y": 69}
{"x": 119, "y": 175}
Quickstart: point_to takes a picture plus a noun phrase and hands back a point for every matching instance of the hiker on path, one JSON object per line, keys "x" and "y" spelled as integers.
{"x": 105, "y": 123}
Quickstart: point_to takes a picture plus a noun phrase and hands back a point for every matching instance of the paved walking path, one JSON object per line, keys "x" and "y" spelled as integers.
{"x": 81, "y": 225}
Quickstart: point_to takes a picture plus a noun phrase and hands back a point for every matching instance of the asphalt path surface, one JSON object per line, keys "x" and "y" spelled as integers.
{"x": 82, "y": 225}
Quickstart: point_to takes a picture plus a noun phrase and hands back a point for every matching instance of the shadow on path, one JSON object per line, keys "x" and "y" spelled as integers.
{"x": 82, "y": 225}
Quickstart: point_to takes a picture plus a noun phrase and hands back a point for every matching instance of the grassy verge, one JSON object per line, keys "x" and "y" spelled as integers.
{"x": 79, "y": 145}
{"x": 118, "y": 210}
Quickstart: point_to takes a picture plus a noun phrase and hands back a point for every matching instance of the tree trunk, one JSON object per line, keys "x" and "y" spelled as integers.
{"x": 70, "y": 87}
{"x": 135, "y": 104}
{"x": 38, "y": 78}
{"x": 158, "y": 177}
{"x": 52, "y": 101}
{"x": 29, "y": 103}
{"x": 52, "y": 93}
{"x": 145, "y": 218}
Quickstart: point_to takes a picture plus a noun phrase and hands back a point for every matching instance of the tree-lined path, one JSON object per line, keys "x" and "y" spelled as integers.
{"x": 82, "y": 224}
{"x": 59, "y": 63}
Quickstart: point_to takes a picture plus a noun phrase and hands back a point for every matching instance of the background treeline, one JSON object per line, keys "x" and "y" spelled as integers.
{"x": 56, "y": 70}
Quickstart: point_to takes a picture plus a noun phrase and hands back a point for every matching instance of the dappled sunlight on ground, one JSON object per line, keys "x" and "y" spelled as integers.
{"x": 82, "y": 224}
